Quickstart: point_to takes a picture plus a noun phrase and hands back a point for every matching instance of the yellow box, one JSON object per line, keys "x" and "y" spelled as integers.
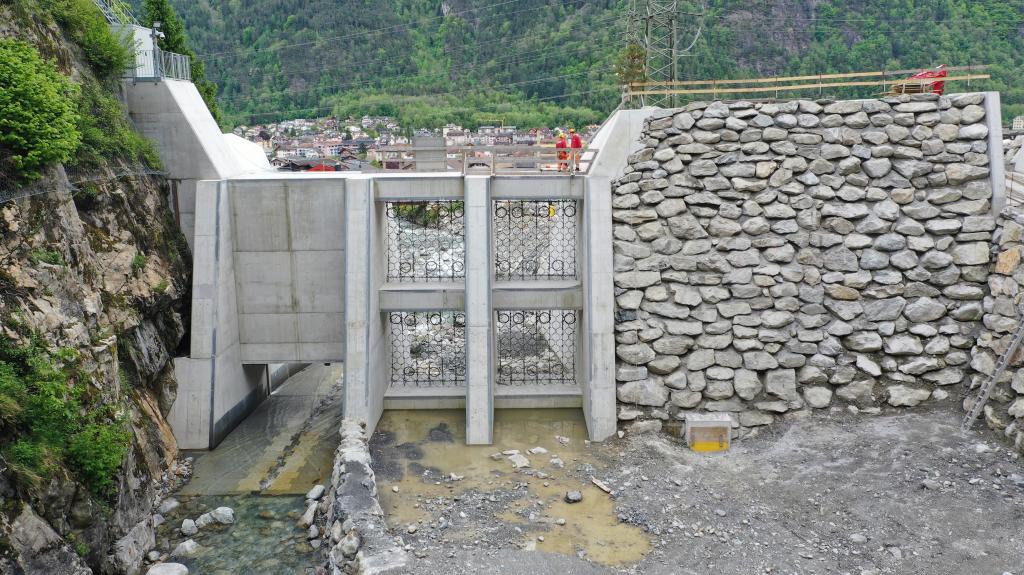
{"x": 708, "y": 432}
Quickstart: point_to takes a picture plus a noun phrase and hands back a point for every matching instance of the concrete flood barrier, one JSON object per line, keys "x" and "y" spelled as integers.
{"x": 752, "y": 259}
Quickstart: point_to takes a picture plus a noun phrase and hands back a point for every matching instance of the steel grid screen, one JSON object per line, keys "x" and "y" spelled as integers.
{"x": 535, "y": 240}
{"x": 536, "y": 347}
{"x": 428, "y": 349}
{"x": 425, "y": 241}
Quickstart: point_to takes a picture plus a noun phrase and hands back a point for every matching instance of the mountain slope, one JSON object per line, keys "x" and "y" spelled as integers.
{"x": 280, "y": 58}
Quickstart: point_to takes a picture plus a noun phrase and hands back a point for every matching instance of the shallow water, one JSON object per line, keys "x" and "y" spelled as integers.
{"x": 417, "y": 451}
{"x": 264, "y": 540}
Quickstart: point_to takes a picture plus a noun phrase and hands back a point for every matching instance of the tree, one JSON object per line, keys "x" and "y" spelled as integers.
{"x": 37, "y": 112}
{"x": 632, "y": 64}
{"x": 175, "y": 40}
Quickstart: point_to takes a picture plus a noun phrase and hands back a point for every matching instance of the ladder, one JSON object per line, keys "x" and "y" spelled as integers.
{"x": 986, "y": 388}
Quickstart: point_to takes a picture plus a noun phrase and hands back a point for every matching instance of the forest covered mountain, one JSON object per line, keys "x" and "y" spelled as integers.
{"x": 532, "y": 62}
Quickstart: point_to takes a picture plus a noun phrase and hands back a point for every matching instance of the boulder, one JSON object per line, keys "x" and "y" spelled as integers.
{"x": 643, "y": 392}
{"x": 903, "y": 396}
{"x": 167, "y": 569}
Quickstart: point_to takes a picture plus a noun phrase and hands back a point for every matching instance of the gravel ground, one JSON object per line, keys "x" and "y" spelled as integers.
{"x": 899, "y": 493}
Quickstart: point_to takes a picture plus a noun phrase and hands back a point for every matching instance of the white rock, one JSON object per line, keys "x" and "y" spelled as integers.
{"x": 223, "y": 515}
{"x": 316, "y": 492}
{"x": 519, "y": 461}
{"x": 187, "y": 548}
{"x": 818, "y": 397}
{"x": 168, "y": 569}
{"x": 188, "y": 528}
{"x": 309, "y": 516}
{"x": 204, "y": 520}
{"x": 168, "y": 505}
{"x": 903, "y": 396}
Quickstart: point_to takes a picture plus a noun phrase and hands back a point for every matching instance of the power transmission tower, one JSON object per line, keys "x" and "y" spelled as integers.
{"x": 654, "y": 26}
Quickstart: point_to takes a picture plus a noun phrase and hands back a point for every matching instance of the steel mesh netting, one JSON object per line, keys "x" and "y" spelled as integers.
{"x": 536, "y": 347}
{"x": 535, "y": 240}
{"x": 425, "y": 241}
{"x": 428, "y": 349}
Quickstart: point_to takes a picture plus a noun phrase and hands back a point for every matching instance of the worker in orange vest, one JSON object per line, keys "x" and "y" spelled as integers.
{"x": 561, "y": 144}
{"x": 576, "y": 143}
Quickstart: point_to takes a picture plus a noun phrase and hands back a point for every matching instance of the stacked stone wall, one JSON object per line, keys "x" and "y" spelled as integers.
{"x": 774, "y": 257}
{"x": 1004, "y": 411}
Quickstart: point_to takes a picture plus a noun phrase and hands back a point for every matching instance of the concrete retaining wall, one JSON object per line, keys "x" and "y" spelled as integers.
{"x": 778, "y": 257}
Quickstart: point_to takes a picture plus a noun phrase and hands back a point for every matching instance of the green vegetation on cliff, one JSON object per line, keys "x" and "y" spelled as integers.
{"x": 38, "y": 119}
{"x": 46, "y": 118}
{"x": 275, "y": 59}
{"x": 46, "y": 423}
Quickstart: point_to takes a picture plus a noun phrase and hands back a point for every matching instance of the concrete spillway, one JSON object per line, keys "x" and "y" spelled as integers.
{"x": 297, "y": 267}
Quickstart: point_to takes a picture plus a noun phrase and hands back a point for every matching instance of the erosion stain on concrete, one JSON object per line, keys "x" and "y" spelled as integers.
{"x": 521, "y": 505}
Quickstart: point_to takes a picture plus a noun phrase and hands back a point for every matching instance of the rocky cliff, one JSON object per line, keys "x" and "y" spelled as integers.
{"x": 93, "y": 288}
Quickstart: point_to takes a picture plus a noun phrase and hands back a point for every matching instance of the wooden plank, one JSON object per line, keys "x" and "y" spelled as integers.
{"x": 800, "y": 78}
{"x": 743, "y": 89}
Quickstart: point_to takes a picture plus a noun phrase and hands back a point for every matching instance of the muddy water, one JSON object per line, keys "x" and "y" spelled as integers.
{"x": 418, "y": 451}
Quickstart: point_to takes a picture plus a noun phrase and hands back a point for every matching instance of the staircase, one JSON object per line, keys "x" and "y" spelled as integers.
{"x": 116, "y": 12}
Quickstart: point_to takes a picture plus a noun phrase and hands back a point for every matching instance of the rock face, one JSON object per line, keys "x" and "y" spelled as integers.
{"x": 823, "y": 254}
{"x": 101, "y": 269}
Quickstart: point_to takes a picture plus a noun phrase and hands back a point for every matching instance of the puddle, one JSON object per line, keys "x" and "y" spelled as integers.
{"x": 264, "y": 539}
{"x": 417, "y": 451}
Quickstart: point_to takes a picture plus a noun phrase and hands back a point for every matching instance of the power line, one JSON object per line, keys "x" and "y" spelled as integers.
{"x": 524, "y": 82}
{"x": 362, "y": 66}
{"x": 217, "y": 55}
{"x": 331, "y": 107}
{"x": 453, "y": 92}
{"x": 401, "y": 78}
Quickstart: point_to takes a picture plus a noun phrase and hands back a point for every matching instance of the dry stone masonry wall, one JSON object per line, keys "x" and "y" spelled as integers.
{"x": 360, "y": 541}
{"x": 1005, "y": 408}
{"x": 773, "y": 257}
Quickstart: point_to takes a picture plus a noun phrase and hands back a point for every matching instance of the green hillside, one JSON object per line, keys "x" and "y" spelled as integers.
{"x": 543, "y": 61}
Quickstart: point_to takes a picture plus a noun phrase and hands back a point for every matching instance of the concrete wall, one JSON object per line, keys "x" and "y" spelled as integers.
{"x": 785, "y": 256}
{"x": 213, "y": 375}
{"x": 215, "y": 390}
{"x": 289, "y": 260}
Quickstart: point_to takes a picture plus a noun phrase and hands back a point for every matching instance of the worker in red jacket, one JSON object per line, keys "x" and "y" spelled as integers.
{"x": 561, "y": 144}
{"x": 576, "y": 143}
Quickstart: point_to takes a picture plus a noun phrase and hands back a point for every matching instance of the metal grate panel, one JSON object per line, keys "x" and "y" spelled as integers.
{"x": 426, "y": 241}
{"x": 536, "y": 347}
{"x": 428, "y": 349}
{"x": 535, "y": 240}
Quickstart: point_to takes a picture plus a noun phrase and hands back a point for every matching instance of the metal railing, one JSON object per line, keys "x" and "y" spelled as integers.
{"x": 890, "y": 81}
{"x": 116, "y": 12}
{"x": 159, "y": 64}
{"x": 488, "y": 159}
